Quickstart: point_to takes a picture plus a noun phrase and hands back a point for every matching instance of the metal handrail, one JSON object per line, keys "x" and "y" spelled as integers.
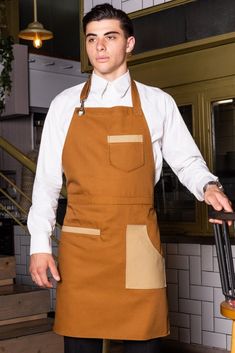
{"x": 17, "y": 154}
{"x": 13, "y": 201}
{"x": 29, "y": 164}
{"x": 23, "y": 159}
{"x": 15, "y": 186}
{"x": 13, "y": 217}
{"x": 53, "y": 237}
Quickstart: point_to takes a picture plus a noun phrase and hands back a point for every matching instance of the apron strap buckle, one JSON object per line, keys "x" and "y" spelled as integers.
{"x": 81, "y": 110}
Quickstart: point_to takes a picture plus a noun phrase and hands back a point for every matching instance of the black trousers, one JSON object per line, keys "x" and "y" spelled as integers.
{"x": 87, "y": 345}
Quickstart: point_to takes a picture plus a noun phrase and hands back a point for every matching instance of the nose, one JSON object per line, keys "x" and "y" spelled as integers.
{"x": 100, "y": 45}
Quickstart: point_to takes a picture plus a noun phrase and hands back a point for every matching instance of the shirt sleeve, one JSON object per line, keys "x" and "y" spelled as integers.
{"x": 47, "y": 185}
{"x": 181, "y": 153}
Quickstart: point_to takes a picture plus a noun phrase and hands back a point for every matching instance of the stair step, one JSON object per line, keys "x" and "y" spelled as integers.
{"x": 25, "y": 328}
{"x": 7, "y": 268}
{"x": 23, "y": 319}
{"x": 19, "y": 300}
{"x": 30, "y": 337}
{"x": 6, "y": 282}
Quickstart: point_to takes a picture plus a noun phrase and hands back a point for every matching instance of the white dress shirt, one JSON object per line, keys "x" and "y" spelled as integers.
{"x": 170, "y": 137}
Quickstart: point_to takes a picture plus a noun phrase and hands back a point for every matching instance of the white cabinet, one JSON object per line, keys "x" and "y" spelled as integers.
{"x": 49, "y": 76}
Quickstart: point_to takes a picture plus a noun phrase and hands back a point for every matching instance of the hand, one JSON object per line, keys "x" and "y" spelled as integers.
{"x": 218, "y": 200}
{"x": 39, "y": 264}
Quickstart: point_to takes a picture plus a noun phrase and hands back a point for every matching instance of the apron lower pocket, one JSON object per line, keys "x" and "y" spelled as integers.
{"x": 145, "y": 266}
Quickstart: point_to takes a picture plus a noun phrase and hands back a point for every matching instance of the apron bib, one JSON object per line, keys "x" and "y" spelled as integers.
{"x": 110, "y": 257}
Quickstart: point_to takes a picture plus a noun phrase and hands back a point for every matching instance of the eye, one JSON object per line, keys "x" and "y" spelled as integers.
{"x": 111, "y": 37}
{"x": 91, "y": 39}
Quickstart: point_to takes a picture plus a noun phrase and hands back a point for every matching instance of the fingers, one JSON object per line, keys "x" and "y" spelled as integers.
{"x": 219, "y": 201}
{"x": 41, "y": 279}
{"x": 39, "y": 264}
{"x": 53, "y": 270}
{"x": 217, "y": 221}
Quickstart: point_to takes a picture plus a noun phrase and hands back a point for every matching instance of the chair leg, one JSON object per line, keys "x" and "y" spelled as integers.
{"x": 106, "y": 346}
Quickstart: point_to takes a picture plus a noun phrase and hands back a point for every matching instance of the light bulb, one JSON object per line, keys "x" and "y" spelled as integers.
{"x": 37, "y": 42}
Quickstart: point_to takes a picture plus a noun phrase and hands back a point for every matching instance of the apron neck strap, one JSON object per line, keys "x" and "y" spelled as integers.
{"x": 135, "y": 98}
{"x": 85, "y": 91}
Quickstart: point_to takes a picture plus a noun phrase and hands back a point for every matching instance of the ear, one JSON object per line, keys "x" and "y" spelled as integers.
{"x": 130, "y": 44}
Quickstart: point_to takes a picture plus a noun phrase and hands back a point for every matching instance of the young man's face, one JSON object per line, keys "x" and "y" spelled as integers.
{"x": 107, "y": 48}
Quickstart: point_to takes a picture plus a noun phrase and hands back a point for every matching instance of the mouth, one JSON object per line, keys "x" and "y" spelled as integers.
{"x": 102, "y": 59}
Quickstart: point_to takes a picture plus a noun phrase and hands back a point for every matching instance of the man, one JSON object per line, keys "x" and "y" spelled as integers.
{"x": 108, "y": 137}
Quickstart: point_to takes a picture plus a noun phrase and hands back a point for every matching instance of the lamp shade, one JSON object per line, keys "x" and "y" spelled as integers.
{"x": 35, "y": 29}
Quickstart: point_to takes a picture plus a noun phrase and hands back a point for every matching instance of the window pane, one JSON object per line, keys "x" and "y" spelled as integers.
{"x": 172, "y": 200}
{"x": 223, "y": 122}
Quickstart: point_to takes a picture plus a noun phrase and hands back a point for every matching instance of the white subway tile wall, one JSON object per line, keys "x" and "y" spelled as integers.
{"x": 211, "y": 279}
{"x": 190, "y": 306}
{"x": 196, "y": 329}
{"x": 183, "y": 284}
{"x": 172, "y": 276}
{"x": 229, "y": 343}
{"x": 179, "y": 262}
{"x": 174, "y": 334}
{"x": 223, "y": 325}
{"x": 194, "y": 291}
{"x": 126, "y": 5}
{"x": 195, "y": 270}
{"x": 218, "y": 298}
{"x": 184, "y": 335}
{"x": 172, "y": 292}
{"x": 213, "y": 339}
{"x": 207, "y": 316}
{"x": 183, "y": 320}
{"x": 207, "y": 258}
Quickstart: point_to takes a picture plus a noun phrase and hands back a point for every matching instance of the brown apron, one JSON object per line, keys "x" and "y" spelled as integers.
{"x": 110, "y": 255}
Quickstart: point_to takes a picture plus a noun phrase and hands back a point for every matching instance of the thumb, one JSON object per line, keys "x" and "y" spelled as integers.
{"x": 54, "y": 270}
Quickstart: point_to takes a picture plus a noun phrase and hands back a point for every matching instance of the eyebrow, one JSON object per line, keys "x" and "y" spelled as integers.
{"x": 105, "y": 34}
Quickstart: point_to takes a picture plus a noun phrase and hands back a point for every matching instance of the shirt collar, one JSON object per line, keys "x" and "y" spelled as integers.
{"x": 121, "y": 85}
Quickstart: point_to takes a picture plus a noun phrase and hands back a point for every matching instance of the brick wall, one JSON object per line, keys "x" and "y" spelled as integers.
{"x": 194, "y": 291}
{"x": 126, "y": 5}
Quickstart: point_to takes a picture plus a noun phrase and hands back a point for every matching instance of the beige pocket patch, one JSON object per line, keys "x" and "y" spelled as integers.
{"x": 126, "y": 152}
{"x": 145, "y": 266}
{"x": 81, "y": 230}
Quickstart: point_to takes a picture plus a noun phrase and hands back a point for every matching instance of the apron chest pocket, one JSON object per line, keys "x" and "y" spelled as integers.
{"x": 126, "y": 152}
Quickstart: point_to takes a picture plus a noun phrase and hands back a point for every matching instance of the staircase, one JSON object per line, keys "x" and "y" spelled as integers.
{"x": 24, "y": 325}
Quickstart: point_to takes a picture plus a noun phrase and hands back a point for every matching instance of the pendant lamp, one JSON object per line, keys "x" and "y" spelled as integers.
{"x": 35, "y": 31}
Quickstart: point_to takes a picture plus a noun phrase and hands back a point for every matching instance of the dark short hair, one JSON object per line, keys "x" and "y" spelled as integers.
{"x": 107, "y": 11}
